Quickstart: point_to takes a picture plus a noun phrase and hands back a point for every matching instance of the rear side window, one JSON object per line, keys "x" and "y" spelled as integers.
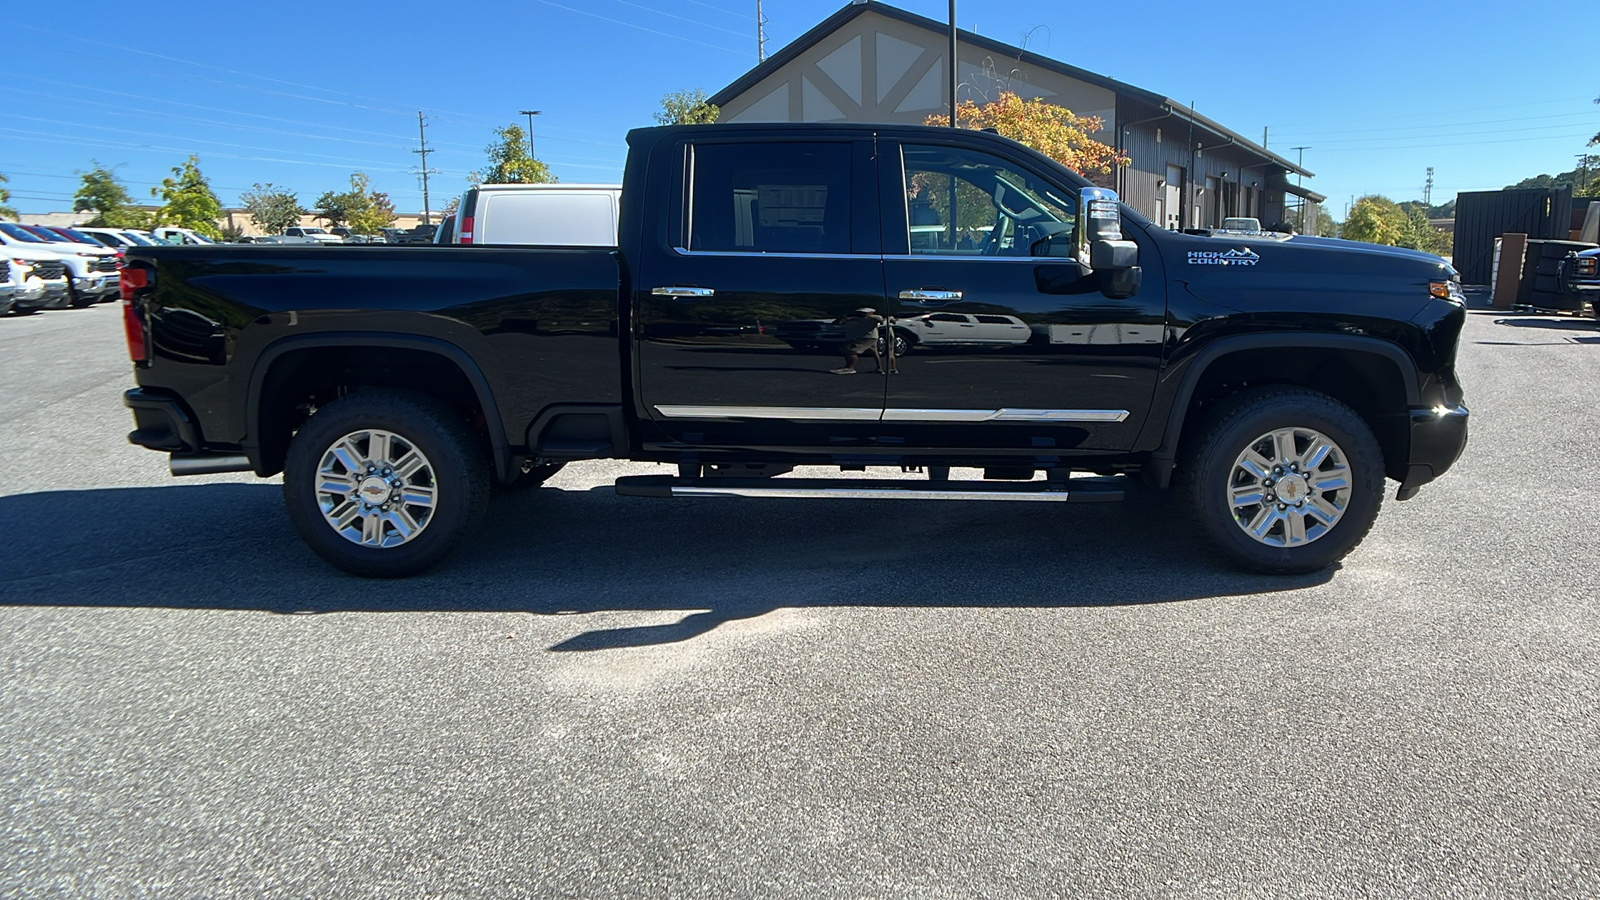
{"x": 770, "y": 198}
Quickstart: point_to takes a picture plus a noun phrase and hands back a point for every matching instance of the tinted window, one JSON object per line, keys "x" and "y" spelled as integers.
{"x": 771, "y": 198}
{"x": 995, "y": 320}
{"x": 947, "y": 317}
{"x": 20, "y": 233}
{"x": 964, "y": 202}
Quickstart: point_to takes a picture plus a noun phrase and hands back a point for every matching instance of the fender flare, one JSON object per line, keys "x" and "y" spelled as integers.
{"x": 1166, "y": 454}
{"x": 498, "y": 444}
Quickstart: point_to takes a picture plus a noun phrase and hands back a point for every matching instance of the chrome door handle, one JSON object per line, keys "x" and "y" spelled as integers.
{"x": 927, "y": 296}
{"x": 681, "y": 292}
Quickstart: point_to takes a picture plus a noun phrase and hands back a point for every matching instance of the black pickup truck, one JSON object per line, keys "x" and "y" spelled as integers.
{"x": 1275, "y": 380}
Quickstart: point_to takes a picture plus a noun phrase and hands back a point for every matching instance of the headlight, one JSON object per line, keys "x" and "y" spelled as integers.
{"x": 1585, "y": 265}
{"x": 1447, "y": 290}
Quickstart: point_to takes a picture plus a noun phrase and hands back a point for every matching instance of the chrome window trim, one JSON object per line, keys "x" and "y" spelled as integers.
{"x": 865, "y": 414}
{"x": 898, "y": 257}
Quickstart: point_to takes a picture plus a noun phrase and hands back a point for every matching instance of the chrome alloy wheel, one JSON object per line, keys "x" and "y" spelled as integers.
{"x": 1290, "y": 487}
{"x": 376, "y": 488}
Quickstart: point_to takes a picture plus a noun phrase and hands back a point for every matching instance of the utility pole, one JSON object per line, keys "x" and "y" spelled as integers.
{"x": 1263, "y": 137}
{"x": 1427, "y": 189}
{"x": 1583, "y": 171}
{"x": 422, "y": 136}
{"x": 761, "y": 34}
{"x": 1300, "y": 162}
{"x": 953, "y": 79}
{"x": 530, "y": 113}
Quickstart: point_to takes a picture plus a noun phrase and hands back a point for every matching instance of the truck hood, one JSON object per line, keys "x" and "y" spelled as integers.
{"x": 1340, "y": 244}
{"x": 1302, "y": 275}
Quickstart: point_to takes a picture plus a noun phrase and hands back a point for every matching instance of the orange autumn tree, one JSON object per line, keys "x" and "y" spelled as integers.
{"x": 1053, "y": 130}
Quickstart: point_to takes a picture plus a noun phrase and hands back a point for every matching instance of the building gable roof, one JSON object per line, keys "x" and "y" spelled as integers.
{"x": 857, "y": 8}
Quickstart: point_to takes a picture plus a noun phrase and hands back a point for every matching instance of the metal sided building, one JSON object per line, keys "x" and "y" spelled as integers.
{"x": 871, "y": 62}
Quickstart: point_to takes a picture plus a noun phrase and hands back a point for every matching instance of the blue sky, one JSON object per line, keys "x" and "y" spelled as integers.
{"x": 302, "y": 95}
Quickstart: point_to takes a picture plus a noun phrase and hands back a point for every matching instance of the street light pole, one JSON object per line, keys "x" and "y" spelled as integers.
{"x": 530, "y": 113}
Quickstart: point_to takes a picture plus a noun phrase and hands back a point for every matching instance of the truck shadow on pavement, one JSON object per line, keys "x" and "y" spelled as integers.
{"x": 558, "y": 552}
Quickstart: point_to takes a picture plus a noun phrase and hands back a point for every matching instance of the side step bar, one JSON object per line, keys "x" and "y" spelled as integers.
{"x": 1077, "y": 490}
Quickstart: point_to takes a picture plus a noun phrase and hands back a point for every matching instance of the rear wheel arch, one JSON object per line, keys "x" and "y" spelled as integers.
{"x": 1376, "y": 378}
{"x": 292, "y": 368}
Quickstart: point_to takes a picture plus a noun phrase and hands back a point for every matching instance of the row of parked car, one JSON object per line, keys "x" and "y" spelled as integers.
{"x": 54, "y": 267}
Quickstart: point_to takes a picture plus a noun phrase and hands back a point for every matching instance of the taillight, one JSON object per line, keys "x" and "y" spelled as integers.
{"x": 134, "y": 279}
{"x": 464, "y": 230}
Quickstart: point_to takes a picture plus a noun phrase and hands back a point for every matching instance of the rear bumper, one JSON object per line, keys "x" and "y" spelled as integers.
{"x": 161, "y": 422}
{"x": 1438, "y": 436}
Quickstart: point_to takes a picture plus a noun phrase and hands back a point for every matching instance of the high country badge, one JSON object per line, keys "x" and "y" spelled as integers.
{"x": 1223, "y": 258}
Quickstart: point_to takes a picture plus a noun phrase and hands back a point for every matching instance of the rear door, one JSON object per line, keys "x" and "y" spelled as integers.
{"x": 760, "y": 233}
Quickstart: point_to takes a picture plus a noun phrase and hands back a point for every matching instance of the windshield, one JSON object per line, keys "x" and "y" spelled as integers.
{"x": 46, "y": 234}
{"x": 137, "y": 238}
{"x": 78, "y": 236}
{"x": 20, "y": 233}
{"x": 312, "y": 231}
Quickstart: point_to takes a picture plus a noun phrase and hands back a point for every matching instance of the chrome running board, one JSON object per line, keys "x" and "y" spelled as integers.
{"x": 1081, "y": 490}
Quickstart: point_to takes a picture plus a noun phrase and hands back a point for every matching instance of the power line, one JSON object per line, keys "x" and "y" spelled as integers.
{"x": 642, "y": 28}
{"x": 681, "y": 18}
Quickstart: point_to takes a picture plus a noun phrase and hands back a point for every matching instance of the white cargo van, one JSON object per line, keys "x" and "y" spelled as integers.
{"x": 565, "y": 215}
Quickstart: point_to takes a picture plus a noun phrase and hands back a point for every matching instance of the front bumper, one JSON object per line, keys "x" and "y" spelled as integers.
{"x": 56, "y": 295}
{"x": 1438, "y": 436}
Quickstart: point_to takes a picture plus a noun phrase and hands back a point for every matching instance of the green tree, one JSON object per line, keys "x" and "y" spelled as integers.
{"x": 509, "y": 162}
{"x": 362, "y": 208}
{"x": 101, "y": 193}
{"x": 1053, "y": 130}
{"x": 187, "y": 200}
{"x": 6, "y": 212}
{"x": 686, "y": 108}
{"x": 1326, "y": 226}
{"x": 272, "y": 208}
{"x": 369, "y": 210}
{"x": 1375, "y": 220}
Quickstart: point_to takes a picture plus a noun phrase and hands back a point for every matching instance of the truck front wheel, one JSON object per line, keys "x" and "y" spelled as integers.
{"x": 1283, "y": 480}
{"x": 385, "y": 483}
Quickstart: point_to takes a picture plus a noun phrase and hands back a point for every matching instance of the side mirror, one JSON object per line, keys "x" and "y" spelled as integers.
{"x": 1100, "y": 244}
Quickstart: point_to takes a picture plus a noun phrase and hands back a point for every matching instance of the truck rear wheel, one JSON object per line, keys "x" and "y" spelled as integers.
{"x": 1283, "y": 480}
{"x": 385, "y": 483}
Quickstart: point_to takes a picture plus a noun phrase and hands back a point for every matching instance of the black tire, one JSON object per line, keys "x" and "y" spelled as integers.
{"x": 1545, "y": 284}
{"x": 457, "y": 460}
{"x": 1206, "y": 472}
{"x": 532, "y": 478}
{"x": 1547, "y": 267}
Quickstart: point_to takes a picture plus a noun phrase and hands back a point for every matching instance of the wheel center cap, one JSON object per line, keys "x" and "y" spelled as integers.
{"x": 1292, "y": 488}
{"x": 374, "y": 489}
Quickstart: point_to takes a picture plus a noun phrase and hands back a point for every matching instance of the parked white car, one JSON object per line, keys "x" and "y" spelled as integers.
{"x": 104, "y": 275}
{"x": 10, "y": 285}
{"x": 90, "y": 278}
{"x": 297, "y": 234}
{"x": 117, "y": 238}
{"x": 174, "y": 235}
{"x": 562, "y": 215}
{"x": 40, "y": 276}
{"x": 949, "y": 329}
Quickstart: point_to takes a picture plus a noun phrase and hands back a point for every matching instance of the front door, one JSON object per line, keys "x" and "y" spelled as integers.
{"x": 1017, "y": 353}
{"x": 750, "y": 306}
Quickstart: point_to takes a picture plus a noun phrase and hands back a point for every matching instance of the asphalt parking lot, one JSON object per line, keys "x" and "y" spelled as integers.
{"x": 618, "y": 697}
